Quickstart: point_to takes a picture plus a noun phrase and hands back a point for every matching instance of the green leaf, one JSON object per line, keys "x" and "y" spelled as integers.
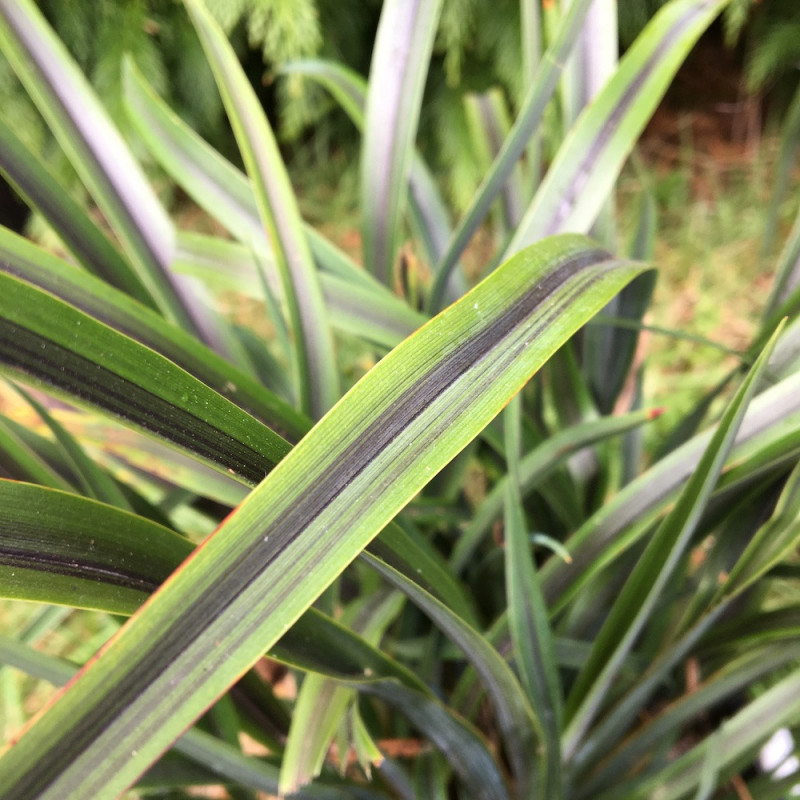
{"x": 637, "y": 600}
{"x": 515, "y": 717}
{"x": 98, "y": 154}
{"x": 400, "y": 59}
{"x": 223, "y": 760}
{"x": 59, "y": 548}
{"x": 529, "y": 624}
{"x": 428, "y": 211}
{"x": 588, "y": 163}
{"x": 33, "y": 265}
{"x": 95, "y": 482}
{"x": 277, "y": 206}
{"x": 768, "y": 439}
{"x": 321, "y": 702}
{"x": 295, "y": 533}
{"x": 534, "y": 468}
{"x": 528, "y": 121}
{"x": 21, "y": 461}
{"x": 44, "y": 340}
{"x": 71, "y": 222}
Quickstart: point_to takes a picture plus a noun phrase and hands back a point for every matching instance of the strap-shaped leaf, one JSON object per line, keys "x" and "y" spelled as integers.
{"x": 97, "y": 152}
{"x": 588, "y": 163}
{"x": 538, "y": 96}
{"x": 75, "y": 227}
{"x": 60, "y": 548}
{"x": 399, "y": 66}
{"x": 297, "y": 531}
{"x": 44, "y": 340}
{"x": 277, "y": 206}
{"x": 637, "y": 599}
{"x": 36, "y": 266}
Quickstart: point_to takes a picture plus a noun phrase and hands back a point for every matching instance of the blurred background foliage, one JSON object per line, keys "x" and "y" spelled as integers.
{"x": 478, "y": 48}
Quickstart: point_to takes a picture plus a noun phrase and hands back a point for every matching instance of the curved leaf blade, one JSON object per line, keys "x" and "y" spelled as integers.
{"x": 297, "y": 531}
{"x": 44, "y": 340}
{"x": 400, "y": 59}
{"x": 277, "y": 206}
{"x": 33, "y": 265}
{"x": 97, "y": 152}
{"x": 587, "y": 165}
{"x": 76, "y": 229}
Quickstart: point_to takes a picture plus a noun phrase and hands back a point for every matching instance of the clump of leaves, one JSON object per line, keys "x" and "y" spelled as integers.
{"x": 474, "y": 584}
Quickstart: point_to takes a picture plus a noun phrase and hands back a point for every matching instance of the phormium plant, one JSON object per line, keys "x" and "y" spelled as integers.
{"x": 460, "y": 554}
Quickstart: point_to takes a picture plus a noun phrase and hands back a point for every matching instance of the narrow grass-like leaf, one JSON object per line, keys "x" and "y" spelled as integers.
{"x": 428, "y": 211}
{"x": 737, "y": 739}
{"x": 400, "y": 59}
{"x": 461, "y": 744}
{"x": 238, "y": 593}
{"x": 20, "y": 461}
{"x": 377, "y": 317}
{"x": 321, "y": 702}
{"x": 33, "y": 265}
{"x": 277, "y": 205}
{"x": 96, "y": 482}
{"x": 534, "y": 468}
{"x": 775, "y": 541}
{"x": 44, "y": 340}
{"x": 737, "y": 675}
{"x": 98, "y": 154}
{"x": 529, "y": 119}
{"x": 637, "y": 600}
{"x": 587, "y": 165}
{"x": 223, "y": 191}
{"x": 768, "y": 436}
{"x": 514, "y": 714}
{"x": 790, "y": 139}
{"x": 75, "y": 227}
{"x": 529, "y": 624}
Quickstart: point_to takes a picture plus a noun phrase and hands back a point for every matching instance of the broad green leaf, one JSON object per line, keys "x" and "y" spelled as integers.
{"x": 98, "y": 154}
{"x": 277, "y": 206}
{"x": 238, "y": 593}
{"x": 44, "y": 340}
{"x": 33, "y": 265}
{"x": 540, "y": 91}
{"x": 71, "y": 222}
{"x": 59, "y": 548}
{"x": 221, "y": 759}
{"x": 637, "y": 600}
{"x": 400, "y": 58}
{"x": 588, "y": 163}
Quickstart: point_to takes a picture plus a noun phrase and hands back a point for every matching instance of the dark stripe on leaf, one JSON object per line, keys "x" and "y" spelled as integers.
{"x": 47, "y": 361}
{"x": 213, "y": 601}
